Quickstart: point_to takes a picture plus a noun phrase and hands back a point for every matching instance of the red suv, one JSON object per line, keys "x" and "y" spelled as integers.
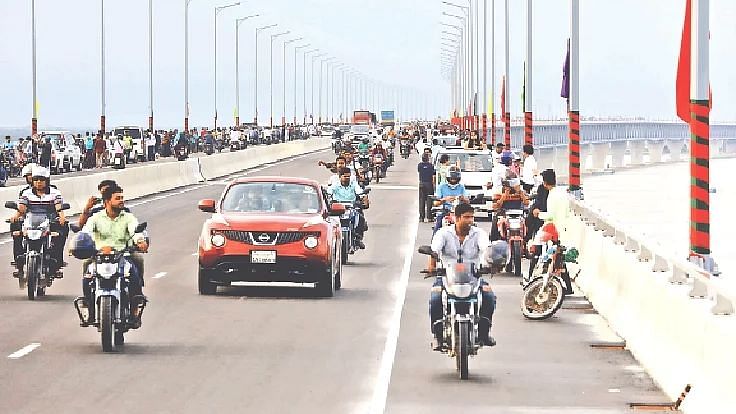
{"x": 271, "y": 229}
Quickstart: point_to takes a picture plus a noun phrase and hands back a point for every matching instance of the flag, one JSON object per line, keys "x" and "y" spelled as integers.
{"x": 682, "y": 85}
{"x": 503, "y": 94}
{"x": 565, "y": 92}
{"x": 490, "y": 102}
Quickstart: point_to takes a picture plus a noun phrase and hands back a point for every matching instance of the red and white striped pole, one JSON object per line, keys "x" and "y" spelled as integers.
{"x": 528, "y": 116}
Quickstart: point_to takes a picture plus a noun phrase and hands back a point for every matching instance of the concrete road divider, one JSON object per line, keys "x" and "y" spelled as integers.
{"x": 163, "y": 176}
{"x": 677, "y": 320}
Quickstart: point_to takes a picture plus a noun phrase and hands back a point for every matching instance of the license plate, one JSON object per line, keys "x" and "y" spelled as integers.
{"x": 263, "y": 256}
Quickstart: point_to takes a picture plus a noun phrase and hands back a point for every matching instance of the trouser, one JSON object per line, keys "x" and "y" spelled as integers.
{"x": 425, "y": 203}
{"x": 17, "y": 241}
{"x": 495, "y": 234}
{"x": 436, "y": 313}
{"x": 151, "y": 153}
{"x": 533, "y": 224}
{"x": 98, "y": 157}
{"x": 361, "y": 226}
{"x": 438, "y": 221}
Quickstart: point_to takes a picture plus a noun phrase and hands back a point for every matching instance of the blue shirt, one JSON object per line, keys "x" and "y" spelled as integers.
{"x": 343, "y": 193}
{"x": 444, "y": 190}
{"x": 426, "y": 172}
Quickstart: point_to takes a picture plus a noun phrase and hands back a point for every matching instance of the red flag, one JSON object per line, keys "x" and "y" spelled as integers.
{"x": 682, "y": 87}
{"x": 503, "y": 94}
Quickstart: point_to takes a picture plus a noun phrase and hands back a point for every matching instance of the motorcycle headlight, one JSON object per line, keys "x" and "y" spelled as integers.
{"x": 311, "y": 242}
{"x": 218, "y": 240}
{"x": 107, "y": 270}
{"x": 515, "y": 223}
{"x": 461, "y": 290}
{"x": 34, "y": 234}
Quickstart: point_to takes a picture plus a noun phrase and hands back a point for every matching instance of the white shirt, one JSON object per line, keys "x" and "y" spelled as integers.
{"x": 499, "y": 173}
{"x": 235, "y": 135}
{"x": 529, "y": 171}
{"x": 496, "y": 158}
{"x": 446, "y": 243}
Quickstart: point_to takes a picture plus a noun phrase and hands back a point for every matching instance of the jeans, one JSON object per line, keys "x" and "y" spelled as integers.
{"x": 487, "y": 307}
{"x": 438, "y": 221}
{"x": 425, "y": 204}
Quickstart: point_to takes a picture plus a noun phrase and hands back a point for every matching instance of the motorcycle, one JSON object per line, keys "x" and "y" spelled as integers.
{"x": 118, "y": 160}
{"x": 209, "y": 148}
{"x": 404, "y": 150}
{"x": 348, "y": 223}
{"x": 113, "y": 306}
{"x": 37, "y": 245}
{"x": 512, "y": 228}
{"x": 181, "y": 152}
{"x": 234, "y": 145}
{"x": 377, "y": 162}
{"x": 449, "y": 211}
{"x": 461, "y": 300}
{"x": 543, "y": 290}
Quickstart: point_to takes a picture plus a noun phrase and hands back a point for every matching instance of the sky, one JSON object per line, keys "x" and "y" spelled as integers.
{"x": 628, "y": 57}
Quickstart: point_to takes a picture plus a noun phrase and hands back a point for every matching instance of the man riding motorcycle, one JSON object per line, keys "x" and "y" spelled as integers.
{"x": 379, "y": 150}
{"x": 447, "y": 192}
{"x": 95, "y": 204}
{"x": 512, "y": 197}
{"x": 42, "y": 196}
{"x": 348, "y": 191}
{"x": 15, "y": 225}
{"x": 469, "y": 243}
{"x": 113, "y": 227}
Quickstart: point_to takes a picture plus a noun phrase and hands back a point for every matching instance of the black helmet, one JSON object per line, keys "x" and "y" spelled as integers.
{"x": 83, "y": 247}
{"x": 454, "y": 174}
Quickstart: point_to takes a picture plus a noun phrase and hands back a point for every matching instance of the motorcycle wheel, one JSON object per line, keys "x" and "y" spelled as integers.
{"x": 541, "y": 302}
{"x": 516, "y": 257}
{"x": 462, "y": 350}
{"x": 106, "y": 325}
{"x": 32, "y": 269}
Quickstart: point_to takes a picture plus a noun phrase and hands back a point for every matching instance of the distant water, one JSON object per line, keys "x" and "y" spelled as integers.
{"x": 655, "y": 201}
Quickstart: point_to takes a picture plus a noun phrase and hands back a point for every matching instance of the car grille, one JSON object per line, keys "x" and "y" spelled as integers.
{"x": 267, "y": 238}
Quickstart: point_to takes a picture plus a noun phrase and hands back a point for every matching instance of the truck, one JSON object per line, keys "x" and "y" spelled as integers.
{"x": 387, "y": 118}
{"x": 364, "y": 117}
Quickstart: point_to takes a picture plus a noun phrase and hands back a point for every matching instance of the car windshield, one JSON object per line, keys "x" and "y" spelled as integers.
{"x": 344, "y": 128}
{"x": 133, "y": 132}
{"x": 327, "y": 128}
{"x": 271, "y": 197}
{"x": 359, "y": 129}
{"x": 471, "y": 162}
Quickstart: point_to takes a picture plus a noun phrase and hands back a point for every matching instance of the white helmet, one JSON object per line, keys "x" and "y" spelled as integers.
{"x": 39, "y": 171}
{"x": 27, "y": 169}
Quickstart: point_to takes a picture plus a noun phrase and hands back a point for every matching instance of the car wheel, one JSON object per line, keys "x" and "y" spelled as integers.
{"x": 205, "y": 285}
{"x": 326, "y": 283}
{"x": 338, "y": 272}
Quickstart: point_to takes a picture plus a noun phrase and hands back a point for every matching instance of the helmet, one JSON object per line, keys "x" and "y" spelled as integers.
{"x": 27, "y": 169}
{"x": 506, "y": 158}
{"x": 83, "y": 246}
{"x": 39, "y": 171}
{"x": 365, "y": 140}
{"x": 517, "y": 157}
{"x": 454, "y": 174}
{"x": 497, "y": 253}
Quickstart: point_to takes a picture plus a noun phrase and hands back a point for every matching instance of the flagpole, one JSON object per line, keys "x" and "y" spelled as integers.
{"x": 493, "y": 71}
{"x": 574, "y": 104}
{"x": 484, "y": 124}
{"x": 528, "y": 117}
{"x": 700, "y": 135}
{"x": 507, "y": 112}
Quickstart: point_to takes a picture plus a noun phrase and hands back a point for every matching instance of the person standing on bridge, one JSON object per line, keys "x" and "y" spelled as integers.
{"x": 426, "y": 188}
{"x": 530, "y": 169}
{"x": 100, "y": 147}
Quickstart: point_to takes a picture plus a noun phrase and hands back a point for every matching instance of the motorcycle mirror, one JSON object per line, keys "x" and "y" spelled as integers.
{"x": 11, "y": 205}
{"x": 425, "y": 250}
{"x": 141, "y": 227}
{"x": 65, "y": 206}
{"x": 74, "y": 227}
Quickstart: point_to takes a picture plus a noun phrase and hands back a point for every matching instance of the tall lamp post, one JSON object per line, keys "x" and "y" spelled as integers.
{"x": 296, "y": 50}
{"x": 217, "y": 11}
{"x": 270, "y": 91}
{"x": 102, "y": 66}
{"x": 255, "y": 71}
{"x": 34, "y": 118}
{"x": 322, "y": 61}
{"x": 304, "y": 82}
{"x": 237, "y": 66}
{"x": 186, "y": 65}
{"x": 311, "y": 108}
{"x": 283, "y": 64}
{"x": 150, "y": 64}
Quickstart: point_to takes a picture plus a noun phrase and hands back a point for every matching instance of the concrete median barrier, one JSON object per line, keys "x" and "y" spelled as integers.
{"x": 669, "y": 319}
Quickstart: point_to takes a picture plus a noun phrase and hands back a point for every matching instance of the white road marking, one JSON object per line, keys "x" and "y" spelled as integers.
{"x": 380, "y": 390}
{"x": 614, "y": 390}
{"x": 195, "y": 254}
{"x": 159, "y": 275}
{"x": 24, "y": 351}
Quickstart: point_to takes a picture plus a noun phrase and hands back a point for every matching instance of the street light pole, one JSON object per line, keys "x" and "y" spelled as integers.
{"x": 237, "y": 66}
{"x": 321, "y": 62}
{"x": 296, "y": 68}
{"x": 255, "y": 90}
{"x": 528, "y": 116}
{"x": 507, "y": 114}
{"x": 34, "y": 118}
{"x": 283, "y": 64}
{"x": 311, "y": 109}
{"x": 102, "y": 66}
{"x": 150, "y": 64}
{"x": 304, "y": 83}
{"x": 217, "y": 11}
{"x": 270, "y": 77}
{"x": 186, "y": 65}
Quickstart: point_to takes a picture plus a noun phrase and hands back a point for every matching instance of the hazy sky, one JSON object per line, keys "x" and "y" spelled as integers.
{"x": 628, "y": 55}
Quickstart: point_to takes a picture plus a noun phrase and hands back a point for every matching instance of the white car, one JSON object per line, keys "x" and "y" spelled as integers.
{"x": 476, "y": 167}
{"x": 65, "y": 153}
{"x": 137, "y": 153}
{"x": 326, "y": 131}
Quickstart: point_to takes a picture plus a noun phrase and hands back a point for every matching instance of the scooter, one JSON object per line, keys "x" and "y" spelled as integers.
{"x": 181, "y": 153}
{"x": 118, "y": 160}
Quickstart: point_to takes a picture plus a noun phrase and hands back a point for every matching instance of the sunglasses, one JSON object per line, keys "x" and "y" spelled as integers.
{"x": 38, "y": 178}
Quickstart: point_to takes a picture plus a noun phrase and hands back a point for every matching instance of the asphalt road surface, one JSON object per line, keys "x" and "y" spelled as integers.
{"x": 283, "y": 350}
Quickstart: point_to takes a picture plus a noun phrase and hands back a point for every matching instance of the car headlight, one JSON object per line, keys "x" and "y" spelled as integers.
{"x": 310, "y": 242}
{"x": 218, "y": 240}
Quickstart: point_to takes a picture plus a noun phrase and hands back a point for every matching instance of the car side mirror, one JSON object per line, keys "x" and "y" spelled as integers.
{"x": 337, "y": 209}
{"x": 11, "y": 205}
{"x": 207, "y": 205}
{"x": 141, "y": 227}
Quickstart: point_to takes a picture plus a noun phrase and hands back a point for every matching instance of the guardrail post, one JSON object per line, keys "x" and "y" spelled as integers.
{"x": 699, "y": 289}
{"x": 645, "y": 254}
{"x": 722, "y": 306}
{"x": 660, "y": 264}
{"x": 679, "y": 275}
{"x": 620, "y": 237}
{"x": 675, "y": 147}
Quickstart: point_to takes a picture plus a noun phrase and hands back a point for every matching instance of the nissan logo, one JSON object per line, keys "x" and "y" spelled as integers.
{"x": 263, "y": 237}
